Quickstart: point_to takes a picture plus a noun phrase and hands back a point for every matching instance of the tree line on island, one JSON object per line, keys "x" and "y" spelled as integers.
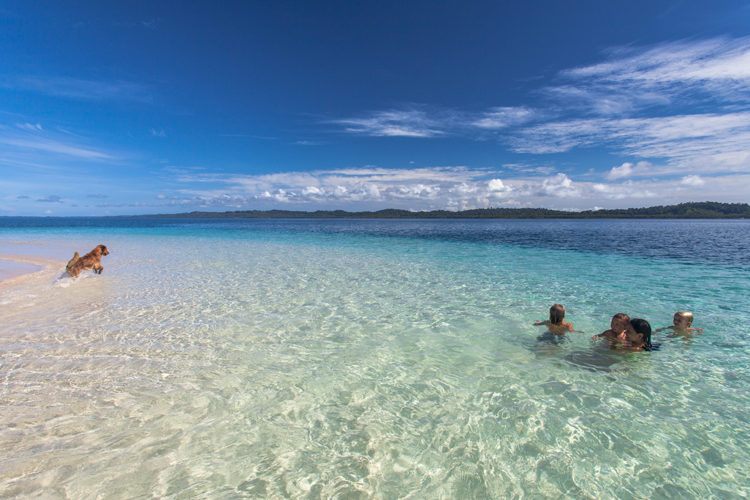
{"x": 693, "y": 210}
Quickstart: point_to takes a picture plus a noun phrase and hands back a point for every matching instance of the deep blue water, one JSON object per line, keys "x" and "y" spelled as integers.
{"x": 725, "y": 242}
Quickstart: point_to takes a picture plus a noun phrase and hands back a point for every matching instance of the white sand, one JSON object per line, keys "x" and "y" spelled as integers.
{"x": 15, "y": 268}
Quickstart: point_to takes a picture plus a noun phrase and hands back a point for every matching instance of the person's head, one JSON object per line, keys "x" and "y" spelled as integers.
{"x": 641, "y": 333}
{"x": 683, "y": 319}
{"x": 620, "y": 322}
{"x": 556, "y": 314}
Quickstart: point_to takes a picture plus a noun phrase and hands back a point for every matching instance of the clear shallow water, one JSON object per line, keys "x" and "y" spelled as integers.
{"x": 379, "y": 358}
{"x": 11, "y": 269}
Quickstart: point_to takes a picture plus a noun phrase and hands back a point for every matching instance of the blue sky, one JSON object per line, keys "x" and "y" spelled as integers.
{"x": 163, "y": 107}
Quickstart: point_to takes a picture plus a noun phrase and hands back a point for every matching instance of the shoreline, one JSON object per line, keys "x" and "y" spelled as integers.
{"x": 14, "y": 275}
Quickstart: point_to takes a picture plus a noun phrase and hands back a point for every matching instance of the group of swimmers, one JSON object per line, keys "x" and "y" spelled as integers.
{"x": 630, "y": 334}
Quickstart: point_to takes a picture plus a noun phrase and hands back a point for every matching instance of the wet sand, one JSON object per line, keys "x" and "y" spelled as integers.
{"x": 15, "y": 268}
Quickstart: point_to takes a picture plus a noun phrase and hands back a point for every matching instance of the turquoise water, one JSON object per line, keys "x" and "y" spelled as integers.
{"x": 386, "y": 359}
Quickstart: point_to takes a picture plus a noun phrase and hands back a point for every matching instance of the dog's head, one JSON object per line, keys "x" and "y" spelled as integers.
{"x": 101, "y": 249}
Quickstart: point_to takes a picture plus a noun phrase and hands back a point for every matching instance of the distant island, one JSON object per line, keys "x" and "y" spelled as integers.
{"x": 696, "y": 210}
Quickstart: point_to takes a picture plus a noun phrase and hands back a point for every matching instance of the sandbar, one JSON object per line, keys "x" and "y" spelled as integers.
{"x": 14, "y": 268}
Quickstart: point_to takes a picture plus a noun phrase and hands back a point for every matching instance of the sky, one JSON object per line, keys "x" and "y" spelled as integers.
{"x": 119, "y": 108}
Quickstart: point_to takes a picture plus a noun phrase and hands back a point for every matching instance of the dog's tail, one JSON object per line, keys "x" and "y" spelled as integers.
{"x": 72, "y": 261}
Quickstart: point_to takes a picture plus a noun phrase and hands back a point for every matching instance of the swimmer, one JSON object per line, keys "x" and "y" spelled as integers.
{"x": 555, "y": 324}
{"x": 682, "y": 321}
{"x": 619, "y": 324}
{"x": 636, "y": 338}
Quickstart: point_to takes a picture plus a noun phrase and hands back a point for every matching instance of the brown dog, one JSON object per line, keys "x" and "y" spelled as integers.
{"x": 92, "y": 260}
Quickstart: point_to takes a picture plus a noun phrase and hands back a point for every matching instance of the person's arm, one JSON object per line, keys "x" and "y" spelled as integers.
{"x": 537, "y": 323}
{"x": 570, "y": 329}
{"x": 602, "y": 335}
{"x": 663, "y": 328}
{"x": 622, "y": 343}
{"x": 623, "y": 347}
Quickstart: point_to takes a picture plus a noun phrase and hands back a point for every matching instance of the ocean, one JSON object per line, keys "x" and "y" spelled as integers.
{"x": 320, "y": 358}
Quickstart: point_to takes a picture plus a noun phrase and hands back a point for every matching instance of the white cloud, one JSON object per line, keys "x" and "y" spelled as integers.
{"x": 453, "y": 188}
{"x": 692, "y": 180}
{"x": 628, "y": 169}
{"x": 624, "y": 170}
{"x": 367, "y": 185}
{"x": 502, "y": 117}
{"x": 560, "y": 185}
{"x": 497, "y": 186}
{"x": 312, "y": 191}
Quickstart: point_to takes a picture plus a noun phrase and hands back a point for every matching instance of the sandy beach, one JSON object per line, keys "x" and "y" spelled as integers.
{"x": 21, "y": 260}
{"x": 14, "y": 268}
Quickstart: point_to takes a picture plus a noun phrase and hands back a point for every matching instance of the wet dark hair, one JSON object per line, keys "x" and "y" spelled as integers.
{"x": 556, "y": 314}
{"x": 621, "y": 316}
{"x": 644, "y": 328}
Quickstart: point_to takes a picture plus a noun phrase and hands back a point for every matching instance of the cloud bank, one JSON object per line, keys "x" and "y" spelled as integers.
{"x": 453, "y": 188}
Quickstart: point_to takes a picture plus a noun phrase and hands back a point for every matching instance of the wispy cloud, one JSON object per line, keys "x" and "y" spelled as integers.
{"x": 81, "y": 89}
{"x": 31, "y": 145}
{"x": 54, "y": 146}
{"x": 33, "y": 127}
{"x": 394, "y": 123}
{"x": 719, "y": 67}
{"x": 708, "y": 142}
{"x": 53, "y": 198}
{"x": 503, "y": 117}
{"x": 632, "y": 103}
{"x": 427, "y": 122}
